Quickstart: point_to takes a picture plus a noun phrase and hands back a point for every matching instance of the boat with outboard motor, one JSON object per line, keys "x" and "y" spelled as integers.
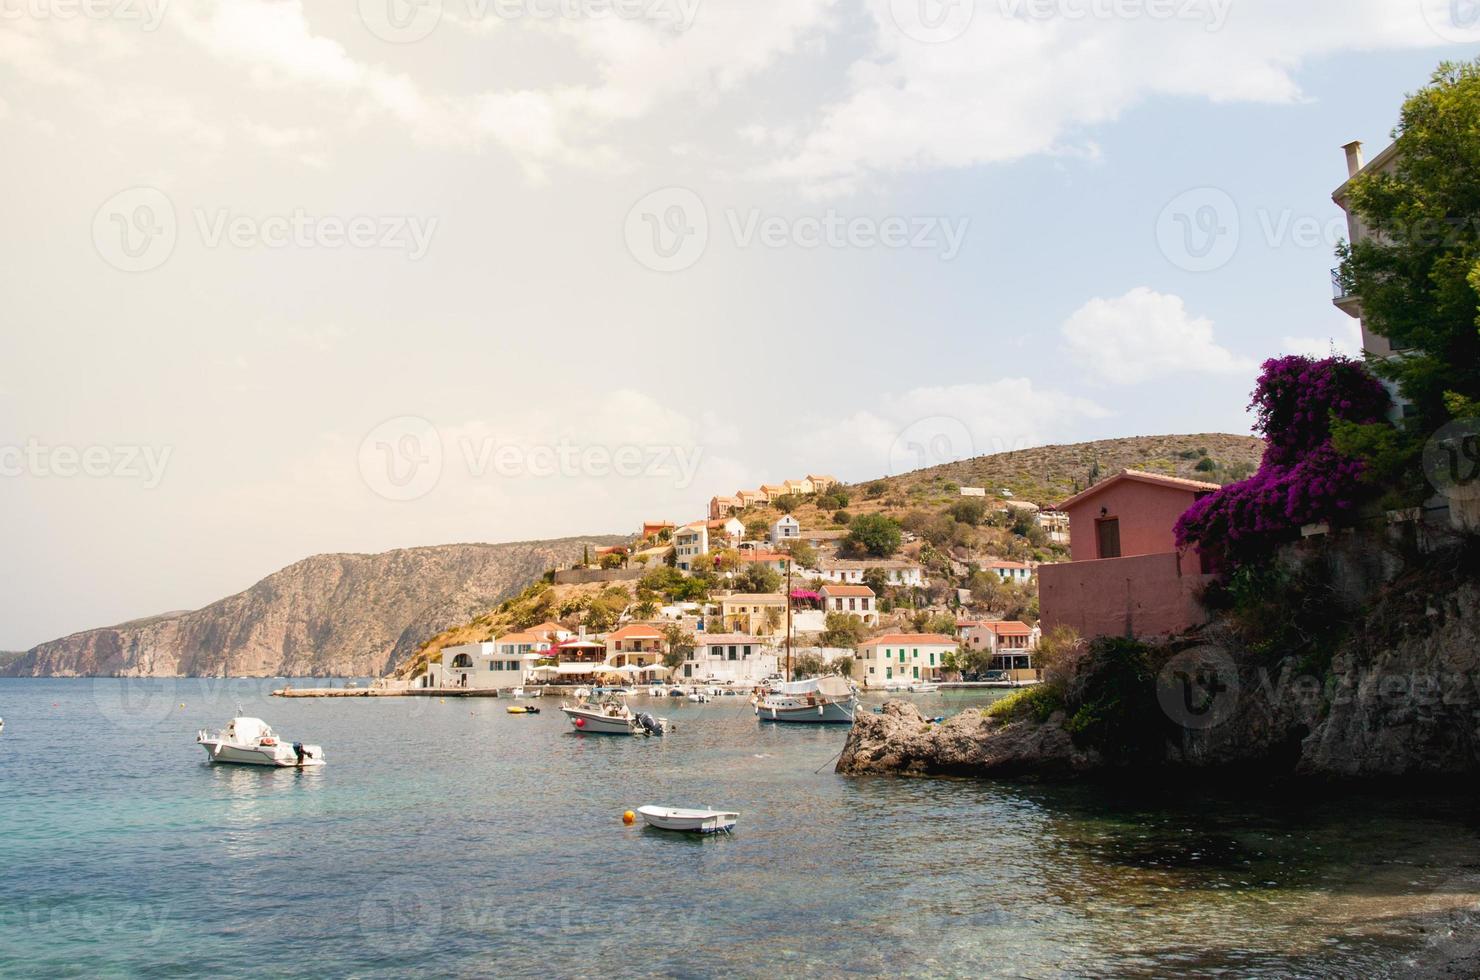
{"x": 818, "y": 700}
{"x": 252, "y": 742}
{"x": 611, "y": 716}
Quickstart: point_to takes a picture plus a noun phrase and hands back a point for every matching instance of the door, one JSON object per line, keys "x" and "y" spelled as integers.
{"x": 1109, "y": 537}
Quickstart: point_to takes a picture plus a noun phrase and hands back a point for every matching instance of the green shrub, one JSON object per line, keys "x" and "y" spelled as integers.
{"x": 1038, "y": 703}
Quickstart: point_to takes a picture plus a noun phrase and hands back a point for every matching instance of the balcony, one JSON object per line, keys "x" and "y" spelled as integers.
{"x": 1345, "y": 300}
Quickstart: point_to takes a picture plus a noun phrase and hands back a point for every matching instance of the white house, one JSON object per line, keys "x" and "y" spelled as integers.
{"x": 1055, "y": 524}
{"x": 729, "y": 658}
{"x": 690, "y": 543}
{"x": 481, "y": 666}
{"x": 897, "y": 571}
{"x": 855, "y": 600}
{"x": 1010, "y": 571}
{"x": 901, "y": 659}
{"x": 786, "y": 529}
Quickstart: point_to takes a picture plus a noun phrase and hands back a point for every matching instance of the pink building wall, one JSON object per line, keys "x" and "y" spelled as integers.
{"x": 1143, "y": 596}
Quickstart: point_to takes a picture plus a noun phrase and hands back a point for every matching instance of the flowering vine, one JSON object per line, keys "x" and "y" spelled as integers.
{"x": 1303, "y": 478}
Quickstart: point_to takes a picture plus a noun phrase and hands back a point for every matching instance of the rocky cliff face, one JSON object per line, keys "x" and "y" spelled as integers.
{"x": 329, "y": 615}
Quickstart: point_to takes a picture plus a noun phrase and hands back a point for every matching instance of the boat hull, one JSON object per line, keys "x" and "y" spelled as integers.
{"x": 689, "y": 821}
{"x": 595, "y": 723}
{"x": 821, "y": 713}
{"x": 277, "y": 757}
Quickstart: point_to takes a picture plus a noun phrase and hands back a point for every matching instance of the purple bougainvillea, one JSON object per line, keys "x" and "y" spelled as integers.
{"x": 1303, "y": 479}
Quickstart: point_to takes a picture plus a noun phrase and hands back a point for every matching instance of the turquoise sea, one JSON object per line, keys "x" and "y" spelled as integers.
{"x": 452, "y": 839}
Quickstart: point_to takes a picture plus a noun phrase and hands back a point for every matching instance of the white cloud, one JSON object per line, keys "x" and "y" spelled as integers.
{"x": 1144, "y": 335}
{"x": 1016, "y": 86}
{"x": 928, "y": 426}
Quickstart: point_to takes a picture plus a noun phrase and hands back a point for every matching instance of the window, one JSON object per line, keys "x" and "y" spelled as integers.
{"x": 901, "y": 654}
{"x": 932, "y": 659}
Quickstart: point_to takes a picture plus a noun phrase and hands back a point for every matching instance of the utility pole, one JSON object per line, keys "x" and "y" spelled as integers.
{"x": 788, "y": 620}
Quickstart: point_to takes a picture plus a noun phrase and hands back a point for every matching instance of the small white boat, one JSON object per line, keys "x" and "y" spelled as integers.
{"x": 923, "y": 688}
{"x": 657, "y": 692}
{"x": 251, "y": 742}
{"x": 699, "y": 697}
{"x": 820, "y": 700}
{"x": 689, "y": 821}
{"x": 517, "y": 692}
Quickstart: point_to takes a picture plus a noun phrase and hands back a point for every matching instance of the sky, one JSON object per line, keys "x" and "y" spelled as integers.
{"x": 282, "y": 279}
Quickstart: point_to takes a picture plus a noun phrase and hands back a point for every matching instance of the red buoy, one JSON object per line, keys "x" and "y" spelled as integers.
{"x": 580, "y": 723}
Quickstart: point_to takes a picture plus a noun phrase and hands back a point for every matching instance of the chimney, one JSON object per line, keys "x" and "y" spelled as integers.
{"x": 1354, "y": 161}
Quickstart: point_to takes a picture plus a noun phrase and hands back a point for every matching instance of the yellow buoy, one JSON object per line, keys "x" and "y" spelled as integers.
{"x": 629, "y": 818}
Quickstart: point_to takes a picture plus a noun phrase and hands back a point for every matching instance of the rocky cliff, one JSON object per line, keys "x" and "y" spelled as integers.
{"x": 329, "y": 615}
{"x": 1399, "y": 697}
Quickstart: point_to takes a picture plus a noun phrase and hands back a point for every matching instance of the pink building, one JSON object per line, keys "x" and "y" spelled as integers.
{"x": 1127, "y": 577}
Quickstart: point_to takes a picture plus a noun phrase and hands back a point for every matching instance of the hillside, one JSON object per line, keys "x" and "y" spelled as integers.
{"x": 1049, "y": 474}
{"x": 945, "y": 537}
{"x": 329, "y": 615}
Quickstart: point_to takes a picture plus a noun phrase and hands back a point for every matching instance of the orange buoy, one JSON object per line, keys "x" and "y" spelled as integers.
{"x": 629, "y": 818}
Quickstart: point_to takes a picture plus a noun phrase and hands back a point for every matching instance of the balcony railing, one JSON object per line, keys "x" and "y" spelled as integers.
{"x": 1339, "y": 292}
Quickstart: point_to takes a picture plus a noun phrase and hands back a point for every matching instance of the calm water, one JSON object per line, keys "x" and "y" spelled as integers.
{"x": 452, "y": 839}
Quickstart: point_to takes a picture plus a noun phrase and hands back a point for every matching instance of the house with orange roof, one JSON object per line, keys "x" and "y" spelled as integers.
{"x": 854, "y": 600}
{"x": 774, "y": 560}
{"x": 752, "y": 498}
{"x": 801, "y": 488}
{"x": 1010, "y": 571}
{"x": 640, "y": 644}
{"x": 655, "y": 529}
{"x": 773, "y": 490}
{"x": 551, "y": 631}
{"x": 822, "y": 484}
{"x": 1127, "y": 577}
{"x": 897, "y": 660}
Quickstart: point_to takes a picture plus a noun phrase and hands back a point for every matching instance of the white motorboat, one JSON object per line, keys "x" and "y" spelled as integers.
{"x": 517, "y": 692}
{"x": 691, "y": 821}
{"x": 923, "y": 687}
{"x": 820, "y": 700}
{"x": 611, "y": 716}
{"x": 251, "y": 742}
{"x": 699, "y": 697}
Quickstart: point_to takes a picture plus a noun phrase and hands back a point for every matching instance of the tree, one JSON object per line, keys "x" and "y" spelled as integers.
{"x": 876, "y": 579}
{"x": 808, "y": 665}
{"x": 759, "y": 577}
{"x": 873, "y": 534}
{"x": 842, "y": 517}
{"x": 843, "y": 630}
{"x": 842, "y": 666}
{"x": 774, "y": 618}
{"x": 1418, "y": 271}
{"x": 611, "y": 561}
{"x": 680, "y": 643}
{"x": 787, "y": 502}
{"x": 969, "y": 510}
{"x": 803, "y": 554}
